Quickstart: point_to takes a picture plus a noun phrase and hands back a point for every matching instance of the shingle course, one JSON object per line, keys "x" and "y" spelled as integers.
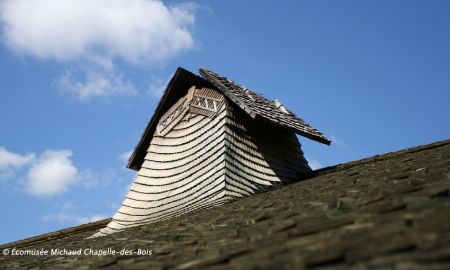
{"x": 258, "y": 106}
{"x": 385, "y": 212}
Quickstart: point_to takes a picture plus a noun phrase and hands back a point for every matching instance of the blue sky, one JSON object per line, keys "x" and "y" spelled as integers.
{"x": 80, "y": 79}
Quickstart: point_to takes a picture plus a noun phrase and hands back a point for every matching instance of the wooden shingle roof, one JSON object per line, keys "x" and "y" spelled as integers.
{"x": 257, "y": 106}
{"x": 389, "y": 211}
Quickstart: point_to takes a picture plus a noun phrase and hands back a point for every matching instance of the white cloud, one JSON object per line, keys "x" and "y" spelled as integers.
{"x": 97, "y": 34}
{"x": 9, "y": 159}
{"x": 71, "y": 218}
{"x": 10, "y": 162}
{"x": 338, "y": 142}
{"x": 68, "y": 213}
{"x": 157, "y": 86}
{"x": 95, "y": 84}
{"x": 127, "y": 189}
{"x": 52, "y": 173}
{"x": 91, "y": 179}
{"x": 134, "y": 30}
{"x": 125, "y": 156}
{"x": 93, "y": 218}
{"x": 313, "y": 163}
{"x": 6, "y": 174}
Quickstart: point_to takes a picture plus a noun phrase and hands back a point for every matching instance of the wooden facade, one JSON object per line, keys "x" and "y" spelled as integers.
{"x": 205, "y": 150}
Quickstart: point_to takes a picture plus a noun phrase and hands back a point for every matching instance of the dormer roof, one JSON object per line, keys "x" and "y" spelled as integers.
{"x": 254, "y": 104}
{"x": 257, "y": 106}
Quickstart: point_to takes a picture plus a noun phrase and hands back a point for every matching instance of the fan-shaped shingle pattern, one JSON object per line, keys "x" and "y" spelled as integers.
{"x": 205, "y": 161}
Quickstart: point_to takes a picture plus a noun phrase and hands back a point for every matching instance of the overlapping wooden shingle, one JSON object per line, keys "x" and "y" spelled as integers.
{"x": 390, "y": 211}
{"x": 254, "y": 104}
{"x": 258, "y": 106}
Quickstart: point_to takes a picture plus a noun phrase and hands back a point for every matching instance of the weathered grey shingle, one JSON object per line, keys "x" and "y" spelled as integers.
{"x": 390, "y": 211}
{"x": 257, "y": 106}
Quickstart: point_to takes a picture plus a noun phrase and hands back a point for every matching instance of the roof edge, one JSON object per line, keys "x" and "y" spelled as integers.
{"x": 177, "y": 87}
{"x": 326, "y": 170}
{"x": 239, "y": 103}
{"x": 57, "y": 234}
{"x": 131, "y": 161}
{"x": 176, "y": 83}
{"x": 325, "y": 141}
{"x": 321, "y": 138}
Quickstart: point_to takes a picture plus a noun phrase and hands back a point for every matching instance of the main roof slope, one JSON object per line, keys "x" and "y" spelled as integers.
{"x": 386, "y": 212}
{"x": 254, "y": 104}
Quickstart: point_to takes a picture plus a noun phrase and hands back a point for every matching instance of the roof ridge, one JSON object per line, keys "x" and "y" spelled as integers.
{"x": 380, "y": 157}
{"x": 56, "y": 234}
{"x": 340, "y": 167}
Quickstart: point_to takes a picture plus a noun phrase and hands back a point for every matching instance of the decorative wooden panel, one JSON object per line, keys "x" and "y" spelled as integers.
{"x": 174, "y": 114}
{"x": 206, "y": 101}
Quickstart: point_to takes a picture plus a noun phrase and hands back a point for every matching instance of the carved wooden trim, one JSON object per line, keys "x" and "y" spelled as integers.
{"x": 206, "y": 101}
{"x": 175, "y": 113}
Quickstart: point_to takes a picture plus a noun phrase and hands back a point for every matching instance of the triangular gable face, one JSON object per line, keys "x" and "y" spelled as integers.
{"x": 203, "y": 101}
{"x": 177, "y": 87}
{"x": 174, "y": 114}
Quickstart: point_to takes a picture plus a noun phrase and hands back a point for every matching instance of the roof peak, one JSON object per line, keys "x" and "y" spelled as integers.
{"x": 254, "y": 104}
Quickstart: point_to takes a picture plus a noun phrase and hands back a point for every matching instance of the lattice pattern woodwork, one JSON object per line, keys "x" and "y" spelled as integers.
{"x": 176, "y": 113}
{"x": 206, "y": 101}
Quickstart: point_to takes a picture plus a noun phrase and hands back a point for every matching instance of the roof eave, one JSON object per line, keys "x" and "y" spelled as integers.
{"x": 253, "y": 114}
{"x": 181, "y": 76}
{"x": 323, "y": 139}
{"x": 132, "y": 164}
